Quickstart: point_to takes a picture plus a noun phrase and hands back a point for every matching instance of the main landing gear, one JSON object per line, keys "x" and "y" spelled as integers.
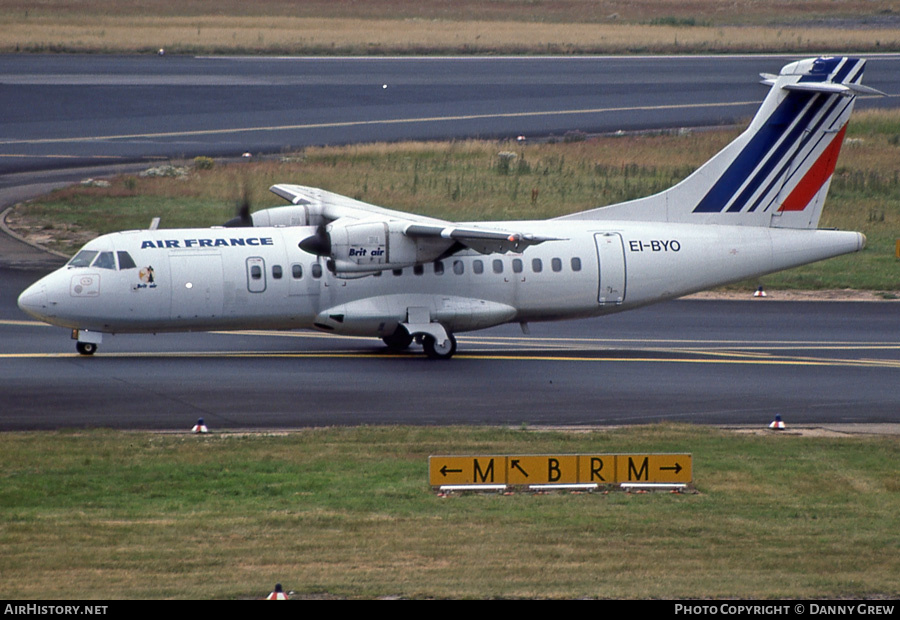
{"x": 439, "y": 350}
{"x": 399, "y": 341}
{"x": 438, "y": 345}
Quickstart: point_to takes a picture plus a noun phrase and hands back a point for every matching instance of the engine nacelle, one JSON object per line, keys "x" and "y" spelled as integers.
{"x": 293, "y": 215}
{"x": 360, "y": 246}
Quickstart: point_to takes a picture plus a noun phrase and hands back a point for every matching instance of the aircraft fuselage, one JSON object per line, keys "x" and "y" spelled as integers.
{"x": 337, "y": 264}
{"x": 217, "y": 278}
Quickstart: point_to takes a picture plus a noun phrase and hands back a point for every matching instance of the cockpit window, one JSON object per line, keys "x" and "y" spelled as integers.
{"x": 83, "y": 258}
{"x": 106, "y": 260}
{"x": 125, "y": 261}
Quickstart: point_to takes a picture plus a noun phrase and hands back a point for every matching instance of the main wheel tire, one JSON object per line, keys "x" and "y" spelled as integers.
{"x": 436, "y": 352}
{"x": 86, "y": 348}
{"x": 400, "y": 340}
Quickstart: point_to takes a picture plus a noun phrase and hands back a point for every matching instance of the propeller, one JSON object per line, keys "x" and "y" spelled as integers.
{"x": 318, "y": 244}
{"x": 243, "y": 219}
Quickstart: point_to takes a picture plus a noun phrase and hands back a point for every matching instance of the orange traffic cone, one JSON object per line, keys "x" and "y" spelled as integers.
{"x": 277, "y": 594}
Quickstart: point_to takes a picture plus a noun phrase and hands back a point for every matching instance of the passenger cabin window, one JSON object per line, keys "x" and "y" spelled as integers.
{"x": 556, "y": 264}
{"x": 438, "y": 268}
{"x": 459, "y": 267}
{"x": 125, "y": 260}
{"x": 419, "y": 270}
{"x": 498, "y": 265}
{"x": 256, "y": 272}
{"x": 477, "y": 266}
{"x": 537, "y": 265}
{"x": 296, "y": 271}
{"x": 105, "y": 260}
{"x": 276, "y": 272}
{"x": 83, "y": 258}
{"x": 576, "y": 264}
{"x": 517, "y": 265}
{"x": 316, "y": 271}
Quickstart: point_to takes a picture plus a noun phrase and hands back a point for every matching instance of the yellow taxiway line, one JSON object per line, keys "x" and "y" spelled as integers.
{"x": 609, "y": 350}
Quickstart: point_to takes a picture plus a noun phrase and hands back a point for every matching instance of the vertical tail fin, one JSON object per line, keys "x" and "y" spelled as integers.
{"x": 778, "y": 171}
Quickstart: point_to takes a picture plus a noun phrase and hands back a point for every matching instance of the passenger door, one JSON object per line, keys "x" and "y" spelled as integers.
{"x": 611, "y": 270}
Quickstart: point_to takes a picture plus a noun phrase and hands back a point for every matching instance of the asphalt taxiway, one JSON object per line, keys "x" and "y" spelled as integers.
{"x": 68, "y": 110}
{"x": 723, "y": 362}
{"x": 718, "y": 362}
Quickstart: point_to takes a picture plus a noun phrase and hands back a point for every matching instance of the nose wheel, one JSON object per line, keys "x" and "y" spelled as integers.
{"x": 86, "y": 348}
{"x": 86, "y": 341}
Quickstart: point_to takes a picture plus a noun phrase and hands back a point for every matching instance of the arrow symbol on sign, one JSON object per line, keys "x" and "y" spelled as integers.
{"x": 445, "y": 471}
{"x": 676, "y": 469}
{"x": 515, "y": 464}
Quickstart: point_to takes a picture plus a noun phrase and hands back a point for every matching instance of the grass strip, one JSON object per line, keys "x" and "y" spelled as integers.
{"x": 484, "y": 180}
{"x": 347, "y": 513}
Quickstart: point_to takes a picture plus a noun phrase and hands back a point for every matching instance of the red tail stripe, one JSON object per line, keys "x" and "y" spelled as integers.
{"x": 820, "y": 172}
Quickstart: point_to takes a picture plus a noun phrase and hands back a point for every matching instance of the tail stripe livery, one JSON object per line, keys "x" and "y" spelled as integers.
{"x": 833, "y": 148}
{"x": 813, "y": 132}
{"x": 778, "y": 137}
{"x": 839, "y": 67}
{"x": 799, "y": 120}
{"x": 777, "y": 172}
{"x": 816, "y": 178}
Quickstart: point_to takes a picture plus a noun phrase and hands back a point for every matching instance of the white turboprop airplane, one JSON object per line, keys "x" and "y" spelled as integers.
{"x": 335, "y": 264}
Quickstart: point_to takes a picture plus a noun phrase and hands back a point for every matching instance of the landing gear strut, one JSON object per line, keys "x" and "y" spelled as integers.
{"x": 438, "y": 342}
{"x": 88, "y": 341}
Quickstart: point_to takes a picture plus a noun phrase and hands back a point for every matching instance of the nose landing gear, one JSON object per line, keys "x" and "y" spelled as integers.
{"x": 88, "y": 342}
{"x": 86, "y": 348}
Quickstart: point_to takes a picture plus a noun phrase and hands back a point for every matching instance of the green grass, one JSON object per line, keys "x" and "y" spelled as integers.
{"x": 480, "y": 180}
{"x": 347, "y": 512}
{"x": 864, "y": 196}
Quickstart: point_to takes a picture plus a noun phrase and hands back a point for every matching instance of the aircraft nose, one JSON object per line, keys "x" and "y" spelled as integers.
{"x": 33, "y": 301}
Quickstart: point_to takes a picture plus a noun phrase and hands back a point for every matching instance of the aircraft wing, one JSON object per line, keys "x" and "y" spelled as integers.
{"x": 330, "y": 206}
{"x": 484, "y": 240}
{"x": 324, "y": 207}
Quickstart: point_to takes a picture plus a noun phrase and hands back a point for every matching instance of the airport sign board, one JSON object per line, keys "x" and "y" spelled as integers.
{"x": 544, "y": 469}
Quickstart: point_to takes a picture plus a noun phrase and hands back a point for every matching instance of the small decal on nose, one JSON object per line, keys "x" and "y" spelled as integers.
{"x": 85, "y": 286}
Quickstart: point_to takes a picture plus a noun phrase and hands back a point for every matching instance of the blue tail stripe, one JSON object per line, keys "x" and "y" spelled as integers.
{"x": 852, "y": 65}
{"x": 823, "y": 72}
{"x": 798, "y": 134}
{"x": 753, "y": 153}
{"x": 829, "y": 114}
